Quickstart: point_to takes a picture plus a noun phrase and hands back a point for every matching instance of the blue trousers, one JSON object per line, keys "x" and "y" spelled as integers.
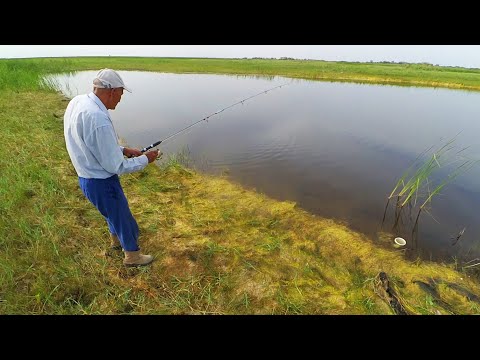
{"x": 108, "y": 197}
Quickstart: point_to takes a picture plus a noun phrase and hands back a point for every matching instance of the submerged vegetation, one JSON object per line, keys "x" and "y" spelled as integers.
{"x": 219, "y": 248}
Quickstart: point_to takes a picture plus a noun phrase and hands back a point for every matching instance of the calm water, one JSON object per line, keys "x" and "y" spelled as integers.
{"x": 336, "y": 149}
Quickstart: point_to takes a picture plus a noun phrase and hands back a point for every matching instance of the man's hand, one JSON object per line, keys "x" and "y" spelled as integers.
{"x": 152, "y": 155}
{"x": 130, "y": 152}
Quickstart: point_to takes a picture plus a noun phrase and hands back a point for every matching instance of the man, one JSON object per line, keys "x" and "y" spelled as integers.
{"x": 98, "y": 160}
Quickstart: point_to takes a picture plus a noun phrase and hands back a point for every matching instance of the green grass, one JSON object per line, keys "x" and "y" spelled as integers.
{"x": 24, "y": 73}
{"x": 219, "y": 248}
{"x": 417, "y": 186}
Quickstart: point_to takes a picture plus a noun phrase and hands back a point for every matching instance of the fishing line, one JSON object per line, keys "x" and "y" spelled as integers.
{"x": 209, "y": 116}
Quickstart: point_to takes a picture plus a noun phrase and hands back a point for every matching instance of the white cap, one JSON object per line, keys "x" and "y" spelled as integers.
{"x": 109, "y": 79}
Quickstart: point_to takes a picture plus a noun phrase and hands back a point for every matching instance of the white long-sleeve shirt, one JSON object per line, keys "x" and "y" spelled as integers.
{"x": 92, "y": 142}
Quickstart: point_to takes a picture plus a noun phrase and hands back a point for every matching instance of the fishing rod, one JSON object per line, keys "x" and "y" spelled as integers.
{"x": 209, "y": 116}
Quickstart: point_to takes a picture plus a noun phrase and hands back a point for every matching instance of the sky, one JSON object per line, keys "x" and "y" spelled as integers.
{"x": 444, "y": 55}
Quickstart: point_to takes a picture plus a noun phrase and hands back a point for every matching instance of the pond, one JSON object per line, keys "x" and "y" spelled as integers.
{"x": 336, "y": 149}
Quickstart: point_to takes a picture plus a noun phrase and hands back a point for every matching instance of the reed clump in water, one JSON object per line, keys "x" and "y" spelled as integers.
{"x": 431, "y": 171}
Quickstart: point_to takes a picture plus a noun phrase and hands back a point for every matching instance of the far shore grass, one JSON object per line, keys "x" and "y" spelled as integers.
{"x": 373, "y": 73}
{"x": 219, "y": 248}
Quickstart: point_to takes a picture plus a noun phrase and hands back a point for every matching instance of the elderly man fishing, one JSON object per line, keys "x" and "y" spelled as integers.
{"x": 98, "y": 160}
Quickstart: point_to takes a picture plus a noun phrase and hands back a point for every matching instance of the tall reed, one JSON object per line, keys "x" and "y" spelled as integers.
{"x": 27, "y": 74}
{"x": 423, "y": 180}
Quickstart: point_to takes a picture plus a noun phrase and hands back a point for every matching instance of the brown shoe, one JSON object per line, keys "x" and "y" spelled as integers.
{"x": 134, "y": 258}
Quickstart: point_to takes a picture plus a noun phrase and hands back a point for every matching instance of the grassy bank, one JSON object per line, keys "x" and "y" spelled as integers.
{"x": 378, "y": 73}
{"x": 219, "y": 248}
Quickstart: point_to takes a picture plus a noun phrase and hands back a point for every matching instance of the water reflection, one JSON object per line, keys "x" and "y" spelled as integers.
{"x": 337, "y": 149}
